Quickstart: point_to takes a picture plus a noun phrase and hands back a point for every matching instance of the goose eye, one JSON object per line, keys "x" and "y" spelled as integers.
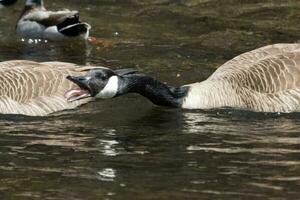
{"x": 104, "y": 77}
{"x": 101, "y": 76}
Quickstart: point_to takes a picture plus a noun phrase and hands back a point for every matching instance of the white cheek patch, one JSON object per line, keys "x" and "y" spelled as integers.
{"x": 111, "y": 88}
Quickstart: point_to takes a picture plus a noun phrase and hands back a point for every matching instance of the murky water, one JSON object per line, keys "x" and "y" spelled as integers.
{"x": 126, "y": 148}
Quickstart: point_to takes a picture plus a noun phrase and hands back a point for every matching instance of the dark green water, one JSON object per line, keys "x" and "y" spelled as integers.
{"x": 126, "y": 148}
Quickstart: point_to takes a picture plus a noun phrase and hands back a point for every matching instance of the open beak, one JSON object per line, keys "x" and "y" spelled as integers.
{"x": 78, "y": 93}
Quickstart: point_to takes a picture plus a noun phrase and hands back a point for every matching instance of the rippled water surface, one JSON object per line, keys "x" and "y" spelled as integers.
{"x": 126, "y": 148}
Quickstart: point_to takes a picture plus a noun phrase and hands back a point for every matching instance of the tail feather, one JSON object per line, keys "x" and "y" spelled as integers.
{"x": 69, "y": 20}
{"x": 72, "y": 26}
{"x": 74, "y": 30}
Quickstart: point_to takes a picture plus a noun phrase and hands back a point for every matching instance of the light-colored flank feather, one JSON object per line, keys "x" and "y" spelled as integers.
{"x": 265, "y": 80}
{"x": 36, "y": 89}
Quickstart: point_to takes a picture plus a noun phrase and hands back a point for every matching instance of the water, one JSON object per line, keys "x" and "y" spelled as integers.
{"x": 126, "y": 148}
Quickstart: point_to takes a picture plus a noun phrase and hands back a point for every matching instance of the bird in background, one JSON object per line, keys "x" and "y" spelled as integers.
{"x": 35, "y": 22}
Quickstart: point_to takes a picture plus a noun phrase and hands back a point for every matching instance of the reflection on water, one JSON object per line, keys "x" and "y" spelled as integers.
{"x": 187, "y": 154}
{"x": 126, "y": 148}
{"x": 107, "y": 174}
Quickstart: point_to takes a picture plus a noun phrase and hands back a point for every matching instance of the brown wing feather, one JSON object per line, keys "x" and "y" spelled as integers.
{"x": 273, "y": 74}
{"x": 246, "y": 60}
{"x": 266, "y": 79}
{"x": 268, "y": 69}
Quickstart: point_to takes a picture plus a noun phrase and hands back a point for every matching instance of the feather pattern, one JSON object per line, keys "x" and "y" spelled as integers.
{"x": 36, "y": 89}
{"x": 265, "y": 80}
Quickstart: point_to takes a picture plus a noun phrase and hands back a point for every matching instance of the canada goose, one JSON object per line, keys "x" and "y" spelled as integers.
{"x": 7, "y": 2}
{"x": 36, "y": 22}
{"x": 37, "y": 89}
{"x": 263, "y": 80}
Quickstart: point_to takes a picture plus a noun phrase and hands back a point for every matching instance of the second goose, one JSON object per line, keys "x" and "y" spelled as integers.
{"x": 263, "y": 80}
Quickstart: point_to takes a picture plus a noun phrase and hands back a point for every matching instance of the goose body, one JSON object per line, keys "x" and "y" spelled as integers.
{"x": 36, "y": 89}
{"x": 263, "y": 80}
{"x": 36, "y": 22}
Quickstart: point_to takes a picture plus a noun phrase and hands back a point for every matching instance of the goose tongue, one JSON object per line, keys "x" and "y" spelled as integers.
{"x": 76, "y": 94}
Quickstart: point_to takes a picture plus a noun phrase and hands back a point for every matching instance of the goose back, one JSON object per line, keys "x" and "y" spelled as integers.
{"x": 36, "y": 89}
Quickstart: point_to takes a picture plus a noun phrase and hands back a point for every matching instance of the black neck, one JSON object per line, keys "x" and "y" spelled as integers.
{"x": 157, "y": 92}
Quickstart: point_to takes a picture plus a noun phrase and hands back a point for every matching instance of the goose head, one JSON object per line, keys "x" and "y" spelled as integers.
{"x": 106, "y": 83}
{"x": 34, "y": 3}
{"x": 7, "y": 2}
{"x": 101, "y": 83}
